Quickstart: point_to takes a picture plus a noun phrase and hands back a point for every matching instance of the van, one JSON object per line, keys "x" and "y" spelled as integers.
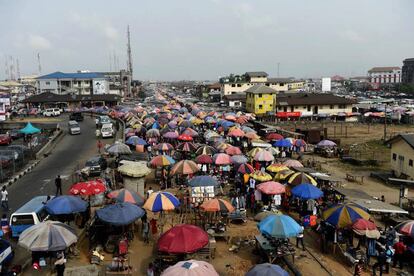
{"x": 51, "y": 112}
{"x": 107, "y": 131}
{"x": 31, "y": 213}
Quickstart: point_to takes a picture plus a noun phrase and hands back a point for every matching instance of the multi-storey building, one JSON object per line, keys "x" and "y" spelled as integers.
{"x": 408, "y": 71}
{"x": 384, "y": 75}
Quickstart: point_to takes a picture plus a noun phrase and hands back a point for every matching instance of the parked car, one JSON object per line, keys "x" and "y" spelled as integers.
{"x": 76, "y": 116}
{"x": 51, "y": 112}
{"x": 107, "y": 130}
{"x": 73, "y": 128}
{"x": 96, "y": 165}
{"x": 101, "y": 120}
{"x": 5, "y": 139}
{"x": 15, "y": 134}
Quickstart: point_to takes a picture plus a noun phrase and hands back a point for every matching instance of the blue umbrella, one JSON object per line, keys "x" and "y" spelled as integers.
{"x": 307, "y": 191}
{"x": 66, "y": 204}
{"x": 120, "y": 213}
{"x": 283, "y": 143}
{"x": 202, "y": 181}
{"x": 135, "y": 140}
{"x": 267, "y": 269}
{"x": 279, "y": 226}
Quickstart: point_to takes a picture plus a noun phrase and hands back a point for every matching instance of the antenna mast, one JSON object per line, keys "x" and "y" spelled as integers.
{"x": 38, "y": 64}
{"x": 129, "y": 52}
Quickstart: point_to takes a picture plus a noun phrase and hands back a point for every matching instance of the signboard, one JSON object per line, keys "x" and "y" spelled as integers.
{"x": 4, "y": 105}
{"x": 100, "y": 87}
{"x": 288, "y": 114}
{"x": 326, "y": 84}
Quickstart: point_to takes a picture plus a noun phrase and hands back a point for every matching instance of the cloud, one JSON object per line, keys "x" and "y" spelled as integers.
{"x": 352, "y": 36}
{"x": 38, "y": 42}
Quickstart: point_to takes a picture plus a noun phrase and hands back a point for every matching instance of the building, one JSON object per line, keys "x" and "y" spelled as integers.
{"x": 261, "y": 99}
{"x": 85, "y": 83}
{"x": 384, "y": 75}
{"x": 407, "y": 75}
{"x": 312, "y": 104}
{"x": 237, "y": 101}
{"x": 402, "y": 155}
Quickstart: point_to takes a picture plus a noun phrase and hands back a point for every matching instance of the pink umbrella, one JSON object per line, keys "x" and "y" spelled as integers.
{"x": 264, "y": 155}
{"x": 236, "y": 132}
{"x": 271, "y": 188}
{"x": 232, "y": 150}
{"x": 293, "y": 163}
{"x": 171, "y": 135}
{"x": 221, "y": 159}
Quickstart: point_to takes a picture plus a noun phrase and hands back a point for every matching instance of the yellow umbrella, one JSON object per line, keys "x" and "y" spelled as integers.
{"x": 300, "y": 177}
{"x": 282, "y": 175}
{"x": 261, "y": 176}
{"x": 276, "y": 167}
{"x": 252, "y": 153}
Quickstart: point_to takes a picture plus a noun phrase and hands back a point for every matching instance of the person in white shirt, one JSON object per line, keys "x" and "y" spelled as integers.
{"x": 149, "y": 192}
{"x": 4, "y": 199}
{"x": 299, "y": 238}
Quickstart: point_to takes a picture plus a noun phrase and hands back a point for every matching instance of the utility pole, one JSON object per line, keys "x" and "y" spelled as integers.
{"x": 39, "y": 68}
{"x": 385, "y": 123}
{"x": 130, "y": 70}
{"x": 17, "y": 69}
{"x": 6, "y": 66}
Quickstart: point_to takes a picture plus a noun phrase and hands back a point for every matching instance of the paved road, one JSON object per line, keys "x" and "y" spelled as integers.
{"x": 70, "y": 152}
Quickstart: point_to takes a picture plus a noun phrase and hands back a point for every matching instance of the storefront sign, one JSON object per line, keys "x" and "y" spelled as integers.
{"x": 287, "y": 114}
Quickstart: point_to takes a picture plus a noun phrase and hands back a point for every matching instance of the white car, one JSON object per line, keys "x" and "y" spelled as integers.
{"x": 51, "y": 112}
{"x": 74, "y": 128}
{"x": 107, "y": 131}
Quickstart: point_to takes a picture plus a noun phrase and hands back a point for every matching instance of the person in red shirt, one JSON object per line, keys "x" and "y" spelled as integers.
{"x": 400, "y": 249}
{"x": 153, "y": 225}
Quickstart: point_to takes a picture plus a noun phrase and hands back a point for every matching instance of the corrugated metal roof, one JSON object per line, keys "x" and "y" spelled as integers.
{"x": 260, "y": 89}
{"x": 60, "y": 75}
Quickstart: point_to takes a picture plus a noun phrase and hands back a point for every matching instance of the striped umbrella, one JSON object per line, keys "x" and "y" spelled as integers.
{"x": 264, "y": 156}
{"x": 135, "y": 140}
{"x": 187, "y": 147}
{"x": 300, "y": 177}
{"x": 153, "y": 133}
{"x": 124, "y": 195}
{"x": 217, "y": 205}
{"x": 245, "y": 168}
{"x": 164, "y": 147}
{"x": 254, "y": 151}
{"x": 222, "y": 146}
{"x": 184, "y": 167}
{"x": 238, "y": 159}
{"x": 190, "y": 132}
{"x": 343, "y": 215}
{"x": 242, "y": 120}
{"x": 406, "y": 228}
{"x": 221, "y": 159}
{"x": 251, "y": 136}
{"x": 283, "y": 174}
{"x": 261, "y": 176}
{"x": 161, "y": 201}
{"x": 205, "y": 150}
{"x": 162, "y": 161}
{"x": 204, "y": 159}
{"x": 236, "y": 132}
{"x": 232, "y": 150}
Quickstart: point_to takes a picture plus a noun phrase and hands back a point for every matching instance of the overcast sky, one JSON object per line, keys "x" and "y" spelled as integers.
{"x": 205, "y": 39}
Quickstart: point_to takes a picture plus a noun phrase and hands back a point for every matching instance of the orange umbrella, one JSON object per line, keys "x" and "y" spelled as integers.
{"x": 184, "y": 167}
{"x": 217, "y": 205}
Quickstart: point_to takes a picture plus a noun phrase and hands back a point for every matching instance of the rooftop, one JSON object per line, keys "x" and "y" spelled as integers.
{"x": 278, "y": 80}
{"x": 235, "y": 97}
{"x": 260, "y": 89}
{"x": 407, "y": 137}
{"x": 310, "y": 98}
{"x": 383, "y": 69}
{"x": 60, "y": 75}
{"x": 257, "y": 74}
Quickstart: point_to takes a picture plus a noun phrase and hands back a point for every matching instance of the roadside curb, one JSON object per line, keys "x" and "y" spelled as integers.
{"x": 22, "y": 173}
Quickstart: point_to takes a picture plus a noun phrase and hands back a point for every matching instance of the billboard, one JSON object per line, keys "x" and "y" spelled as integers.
{"x": 100, "y": 87}
{"x": 4, "y": 105}
{"x": 326, "y": 84}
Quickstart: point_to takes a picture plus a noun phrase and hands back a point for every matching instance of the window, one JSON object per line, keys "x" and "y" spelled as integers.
{"x": 394, "y": 156}
{"x": 48, "y": 83}
{"x": 410, "y": 162}
{"x": 309, "y": 108}
{"x": 304, "y": 107}
{"x": 341, "y": 106}
{"x": 331, "y": 106}
{"x": 260, "y": 106}
{"x": 238, "y": 85}
{"x": 260, "y": 95}
{"x": 401, "y": 158}
{"x": 233, "y": 85}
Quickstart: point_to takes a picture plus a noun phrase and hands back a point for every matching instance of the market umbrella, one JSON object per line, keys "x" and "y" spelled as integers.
{"x": 283, "y": 174}
{"x": 251, "y": 136}
{"x": 161, "y": 201}
{"x": 279, "y": 226}
{"x": 118, "y": 148}
{"x": 300, "y": 177}
{"x": 273, "y": 150}
{"x": 190, "y": 268}
{"x": 236, "y": 132}
{"x": 48, "y": 236}
{"x": 88, "y": 188}
{"x": 264, "y": 214}
{"x": 217, "y": 205}
{"x": 326, "y": 143}
{"x": 171, "y": 135}
{"x": 66, "y": 204}
{"x": 261, "y": 176}
{"x": 406, "y": 228}
{"x": 162, "y": 161}
{"x": 185, "y": 167}
{"x": 254, "y": 151}
{"x": 29, "y": 129}
{"x": 232, "y": 150}
{"x": 276, "y": 167}
{"x": 267, "y": 269}
{"x": 135, "y": 140}
{"x": 164, "y": 147}
{"x": 204, "y": 159}
{"x": 238, "y": 159}
{"x": 153, "y": 133}
{"x": 306, "y": 191}
{"x": 187, "y": 147}
{"x": 342, "y": 215}
{"x": 274, "y": 137}
{"x": 291, "y": 163}
{"x": 264, "y": 156}
{"x": 205, "y": 150}
{"x": 134, "y": 169}
{"x": 183, "y": 238}
{"x": 119, "y": 214}
{"x": 245, "y": 168}
{"x": 271, "y": 188}
{"x": 284, "y": 143}
{"x": 366, "y": 228}
{"x": 190, "y": 132}
{"x": 185, "y": 123}
{"x": 221, "y": 159}
{"x": 202, "y": 181}
{"x": 222, "y": 146}
{"x": 185, "y": 137}
{"x": 125, "y": 195}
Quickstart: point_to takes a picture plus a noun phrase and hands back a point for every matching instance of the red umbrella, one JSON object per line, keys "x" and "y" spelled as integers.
{"x": 236, "y": 132}
{"x": 365, "y": 227}
{"x": 271, "y": 188}
{"x": 93, "y": 187}
{"x": 185, "y": 137}
{"x": 184, "y": 238}
{"x": 274, "y": 136}
{"x": 245, "y": 168}
{"x": 204, "y": 159}
{"x": 232, "y": 150}
{"x": 221, "y": 159}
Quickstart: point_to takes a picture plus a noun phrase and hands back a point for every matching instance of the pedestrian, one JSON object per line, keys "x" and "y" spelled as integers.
{"x": 58, "y": 184}
{"x": 381, "y": 261}
{"x": 400, "y": 249}
{"x": 99, "y": 144}
{"x": 150, "y": 270}
{"x": 358, "y": 268}
{"x": 299, "y": 237}
{"x": 145, "y": 230}
{"x": 149, "y": 192}
{"x": 60, "y": 264}
{"x": 4, "y": 199}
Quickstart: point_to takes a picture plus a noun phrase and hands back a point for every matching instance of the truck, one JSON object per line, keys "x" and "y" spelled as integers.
{"x": 107, "y": 130}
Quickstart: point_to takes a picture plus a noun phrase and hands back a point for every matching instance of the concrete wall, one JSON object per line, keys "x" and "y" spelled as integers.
{"x": 322, "y": 109}
{"x": 402, "y": 150}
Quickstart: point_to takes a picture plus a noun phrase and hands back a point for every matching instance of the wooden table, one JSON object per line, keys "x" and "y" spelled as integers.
{"x": 269, "y": 250}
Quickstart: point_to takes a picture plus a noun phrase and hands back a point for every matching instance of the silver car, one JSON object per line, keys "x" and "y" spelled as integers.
{"x": 74, "y": 128}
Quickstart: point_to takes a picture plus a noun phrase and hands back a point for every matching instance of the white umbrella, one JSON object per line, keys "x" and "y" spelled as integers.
{"x": 48, "y": 236}
{"x": 134, "y": 169}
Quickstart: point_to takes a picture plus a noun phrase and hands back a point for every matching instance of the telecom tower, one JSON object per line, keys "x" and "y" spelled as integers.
{"x": 129, "y": 64}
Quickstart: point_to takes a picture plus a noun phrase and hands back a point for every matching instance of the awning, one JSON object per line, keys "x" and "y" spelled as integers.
{"x": 377, "y": 206}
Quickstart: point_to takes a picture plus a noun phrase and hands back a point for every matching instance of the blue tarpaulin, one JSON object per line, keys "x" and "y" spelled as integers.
{"x": 29, "y": 129}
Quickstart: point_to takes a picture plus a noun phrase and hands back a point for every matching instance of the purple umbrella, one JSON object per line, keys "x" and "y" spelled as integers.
{"x": 326, "y": 143}
{"x": 171, "y": 135}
